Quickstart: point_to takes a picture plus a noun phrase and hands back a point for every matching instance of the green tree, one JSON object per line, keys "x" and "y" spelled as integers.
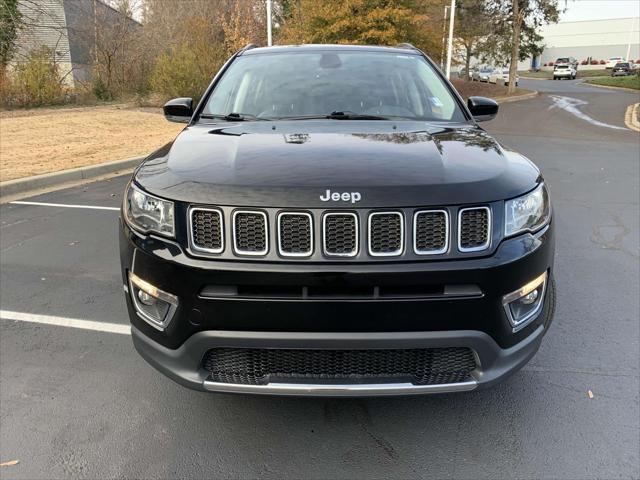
{"x": 374, "y": 22}
{"x": 473, "y": 25}
{"x": 9, "y": 24}
{"x": 516, "y": 23}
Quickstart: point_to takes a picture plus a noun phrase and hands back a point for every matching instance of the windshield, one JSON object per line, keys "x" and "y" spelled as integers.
{"x": 562, "y": 60}
{"x": 622, "y": 64}
{"x": 319, "y": 83}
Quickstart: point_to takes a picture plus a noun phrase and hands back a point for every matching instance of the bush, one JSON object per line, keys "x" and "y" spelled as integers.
{"x": 100, "y": 90}
{"x": 34, "y": 82}
{"x": 594, "y": 62}
{"x": 182, "y": 72}
{"x": 602, "y": 62}
{"x": 583, "y": 62}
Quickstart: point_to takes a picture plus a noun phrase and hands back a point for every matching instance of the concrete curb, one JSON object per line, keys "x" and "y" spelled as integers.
{"x": 525, "y": 96}
{"x": 38, "y": 182}
{"x": 631, "y": 117}
{"x": 624, "y": 89}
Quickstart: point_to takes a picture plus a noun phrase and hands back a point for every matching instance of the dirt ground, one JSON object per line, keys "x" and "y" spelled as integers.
{"x": 51, "y": 139}
{"x": 468, "y": 89}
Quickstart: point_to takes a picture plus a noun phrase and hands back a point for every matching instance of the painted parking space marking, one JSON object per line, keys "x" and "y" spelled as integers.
{"x": 571, "y": 105}
{"x": 65, "y": 205}
{"x": 66, "y": 322}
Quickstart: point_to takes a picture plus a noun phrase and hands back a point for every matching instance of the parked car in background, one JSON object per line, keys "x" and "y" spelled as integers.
{"x": 501, "y": 76}
{"x": 482, "y": 74}
{"x": 462, "y": 73}
{"x": 570, "y": 61}
{"x": 622, "y": 69}
{"x": 613, "y": 61}
{"x": 564, "y": 71}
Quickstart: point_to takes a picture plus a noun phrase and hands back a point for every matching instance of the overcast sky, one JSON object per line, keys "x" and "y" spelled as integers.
{"x": 595, "y": 9}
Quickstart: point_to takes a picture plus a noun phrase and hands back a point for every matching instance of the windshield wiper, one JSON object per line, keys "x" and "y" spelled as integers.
{"x": 337, "y": 115}
{"x": 233, "y": 117}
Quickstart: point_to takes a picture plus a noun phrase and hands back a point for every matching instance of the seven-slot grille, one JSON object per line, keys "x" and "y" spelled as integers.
{"x": 295, "y": 234}
{"x": 250, "y": 232}
{"x": 473, "y": 229}
{"x": 340, "y": 231}
{"x": 206, "y": 230}
{"x": 386, "y": 234}
{"x": 430, "y": 232}
{"x": 420, "y": 366}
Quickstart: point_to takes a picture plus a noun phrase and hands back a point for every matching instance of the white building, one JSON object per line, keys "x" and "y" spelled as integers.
{"x": 595, "y": 39}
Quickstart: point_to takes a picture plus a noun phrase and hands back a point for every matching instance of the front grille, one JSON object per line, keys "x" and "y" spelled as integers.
{"x": 206, "y": 230}
{"x": 386, "y": 234}
{"x": 295, "y": 234}
{"x": 250, "y": 232}
{"x": 430, "y": 232}
{"x": 340, "y": 234}
{"x": 420, "y": 366}
{"x": 473, "y": 229}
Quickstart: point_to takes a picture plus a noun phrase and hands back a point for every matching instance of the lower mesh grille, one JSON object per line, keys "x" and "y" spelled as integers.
{"x": 474, "y": 229}
{"x": 386, "y": 233}
{"x": 431, "y": 231}
{"x": 425, "y": 366}
{"x": 206, "y": 230}
{"x": 250, "y": 233}
{"x": 341, "y": 234}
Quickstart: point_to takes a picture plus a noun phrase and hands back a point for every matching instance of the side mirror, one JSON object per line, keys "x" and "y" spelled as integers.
{"x": 178, "y": 110}
{"x": 482, "y": 109}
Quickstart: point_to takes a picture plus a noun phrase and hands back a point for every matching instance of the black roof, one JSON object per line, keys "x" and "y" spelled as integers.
{"x": 327, "y": 47}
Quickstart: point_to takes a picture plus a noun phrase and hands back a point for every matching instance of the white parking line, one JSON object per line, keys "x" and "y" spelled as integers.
{"x": 64, "y": 205}
{"x": 66, "y": 322}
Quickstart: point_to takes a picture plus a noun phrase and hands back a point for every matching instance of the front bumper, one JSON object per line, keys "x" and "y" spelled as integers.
{"x": 476, "y": 321}
{"x": 184, "y": 364}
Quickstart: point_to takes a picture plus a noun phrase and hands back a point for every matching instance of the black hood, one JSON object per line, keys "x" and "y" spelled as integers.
{"x": 294, "y": 163}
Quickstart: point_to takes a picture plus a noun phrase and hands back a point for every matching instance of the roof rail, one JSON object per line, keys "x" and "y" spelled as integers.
{"x": 248, "y": 46}
{"x": 406, "y": 45}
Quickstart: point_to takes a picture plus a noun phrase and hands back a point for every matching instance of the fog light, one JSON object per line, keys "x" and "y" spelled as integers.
{"x": 145, "y": 298}
{"x": 153, "y": 305}
{"x": 523, "y": 305}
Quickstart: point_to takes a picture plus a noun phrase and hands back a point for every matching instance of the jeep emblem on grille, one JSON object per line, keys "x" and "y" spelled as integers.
{"x": 352, "y": 197}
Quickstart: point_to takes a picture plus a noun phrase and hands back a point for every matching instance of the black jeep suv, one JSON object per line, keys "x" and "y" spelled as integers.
{"x": 333, "y": 221}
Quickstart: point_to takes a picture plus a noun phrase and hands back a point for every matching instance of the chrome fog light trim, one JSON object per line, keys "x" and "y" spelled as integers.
{"x": 156, "y": 313}
{"x": 530, "y": 297}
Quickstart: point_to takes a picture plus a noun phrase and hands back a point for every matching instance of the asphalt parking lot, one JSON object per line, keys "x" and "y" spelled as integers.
{"x": 81, "y": 403}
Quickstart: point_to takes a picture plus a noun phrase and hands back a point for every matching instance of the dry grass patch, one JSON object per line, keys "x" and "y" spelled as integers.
{"x": 48, "y": 140}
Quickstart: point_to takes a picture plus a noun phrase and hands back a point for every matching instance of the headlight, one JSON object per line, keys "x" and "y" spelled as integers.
{"x": 147, "y": 213}
{"x": 527, "y": 213}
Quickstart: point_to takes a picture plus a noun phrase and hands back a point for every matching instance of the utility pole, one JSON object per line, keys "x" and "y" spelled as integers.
{"x": 269, "y": 39}
{"x": 450, "y": 45}
{"x": 444, "y": 36}
{"x": 633, "y": 23}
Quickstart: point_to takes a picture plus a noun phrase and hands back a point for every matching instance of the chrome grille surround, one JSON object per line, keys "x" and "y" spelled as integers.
{"x": 445, "y": 248}
{"x": 284, "y": 253}
{"x": 241, "y": 251}
{"x": 192, "y": 239}
{"x": 370, "y": 235}
{"x": 356, "y": 240}
{"x": 477, "y": 248}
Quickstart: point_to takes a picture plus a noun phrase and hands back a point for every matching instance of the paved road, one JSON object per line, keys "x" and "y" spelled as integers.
{"x": 78, "y": 403}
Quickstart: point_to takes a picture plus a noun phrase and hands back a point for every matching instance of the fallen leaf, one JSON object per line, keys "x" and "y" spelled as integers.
{"x": 9, "y": 463}
{"x": 590, "y": 394}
